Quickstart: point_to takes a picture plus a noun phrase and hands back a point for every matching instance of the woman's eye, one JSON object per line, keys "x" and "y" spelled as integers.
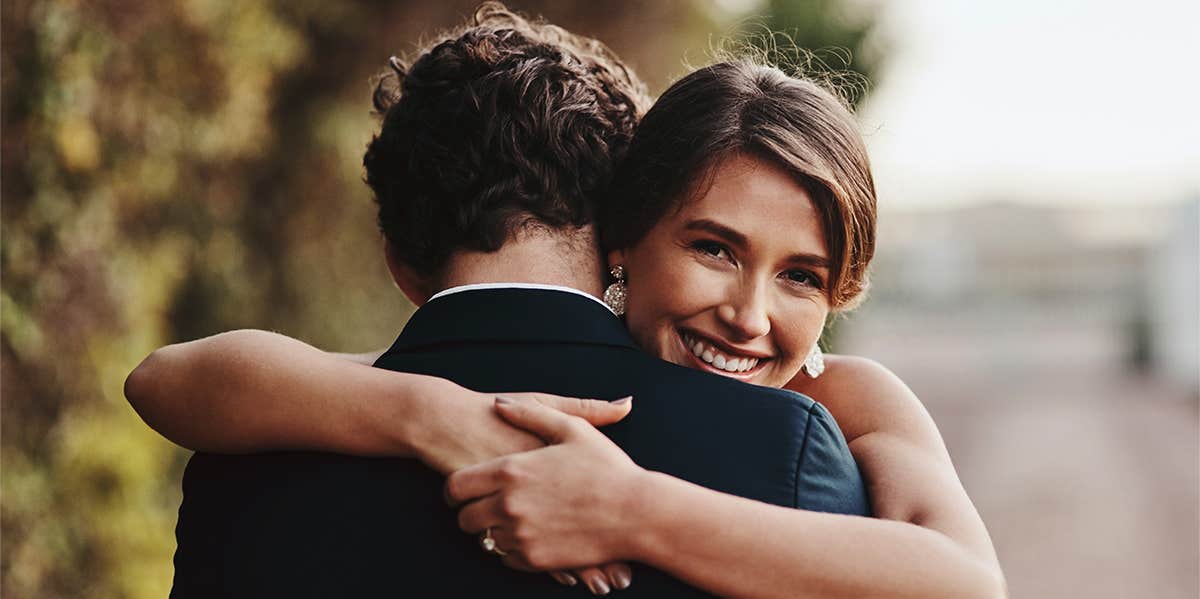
{"x": 711, "y": 248}
{"x": 803, "y": 277}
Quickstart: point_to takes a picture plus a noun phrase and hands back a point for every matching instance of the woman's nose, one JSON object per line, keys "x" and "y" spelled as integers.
{"x": 745, "y": 312}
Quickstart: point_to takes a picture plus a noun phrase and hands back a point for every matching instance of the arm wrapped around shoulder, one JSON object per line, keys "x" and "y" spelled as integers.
{"x": 827, "y": 477}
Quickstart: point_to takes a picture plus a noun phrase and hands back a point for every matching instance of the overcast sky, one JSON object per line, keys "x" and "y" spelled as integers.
{"x": 1066, "y": 100}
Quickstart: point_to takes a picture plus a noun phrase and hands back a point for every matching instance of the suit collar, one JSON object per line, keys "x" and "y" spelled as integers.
{"x": 512, "y": 315}
{"x": 477, "y": 286}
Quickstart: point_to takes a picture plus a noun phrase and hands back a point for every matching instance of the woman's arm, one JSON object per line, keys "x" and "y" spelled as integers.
{"x": 927, "y": 539}
{"x": 930, "y": 542}
{"x": 900, "y": 451}
{"x": 248, "y": 391}
{"x": 773, "y": 551}
{"x": 366, "y": 359}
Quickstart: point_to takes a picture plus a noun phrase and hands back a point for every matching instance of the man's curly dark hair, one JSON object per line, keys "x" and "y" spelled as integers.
{"x": 502, "y": 124}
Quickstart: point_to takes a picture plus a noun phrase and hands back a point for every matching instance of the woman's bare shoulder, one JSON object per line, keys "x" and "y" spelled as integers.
{"x": 864, "y": 396}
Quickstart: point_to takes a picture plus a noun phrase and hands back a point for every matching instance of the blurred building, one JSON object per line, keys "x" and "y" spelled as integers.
{"x": 1175, "y": 299}
{"x": 1041, "y": 286}
{"x": 1056, "y": 349}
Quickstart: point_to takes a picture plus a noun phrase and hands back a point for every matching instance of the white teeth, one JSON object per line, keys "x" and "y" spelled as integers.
{"x": 719, "y": 360}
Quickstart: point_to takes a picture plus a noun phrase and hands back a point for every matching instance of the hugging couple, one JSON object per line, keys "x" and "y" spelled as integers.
{"x": 494, "y": 450}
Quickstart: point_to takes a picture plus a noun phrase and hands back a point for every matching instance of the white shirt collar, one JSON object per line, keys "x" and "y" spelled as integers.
{"x": 478, "y": 286}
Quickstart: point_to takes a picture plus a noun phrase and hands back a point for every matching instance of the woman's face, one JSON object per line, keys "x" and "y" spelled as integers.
{"x": 733, "y": 282}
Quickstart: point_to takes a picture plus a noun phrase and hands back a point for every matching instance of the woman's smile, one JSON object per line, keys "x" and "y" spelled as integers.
{"x": 712, "y": 355}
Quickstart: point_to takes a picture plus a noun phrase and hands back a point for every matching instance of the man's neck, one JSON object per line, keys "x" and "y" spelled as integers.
{"x": 570, "y": 259}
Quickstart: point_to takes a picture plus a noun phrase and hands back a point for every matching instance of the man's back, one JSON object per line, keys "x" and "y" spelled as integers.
{"x": 301, "y": 524}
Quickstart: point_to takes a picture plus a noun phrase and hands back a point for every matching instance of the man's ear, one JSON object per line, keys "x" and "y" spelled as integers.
{"x": 413, "y": 285}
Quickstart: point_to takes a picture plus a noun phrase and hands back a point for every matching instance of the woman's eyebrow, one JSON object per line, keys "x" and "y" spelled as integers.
{"x": 811, "y": 260}
{"x": 715, "y": 228}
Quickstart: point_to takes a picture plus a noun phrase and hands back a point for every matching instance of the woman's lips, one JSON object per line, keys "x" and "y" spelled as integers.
{"x": 708, "y": 356}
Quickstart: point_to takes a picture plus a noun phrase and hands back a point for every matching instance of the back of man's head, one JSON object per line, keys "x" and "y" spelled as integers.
{"x": 500, "y": 125}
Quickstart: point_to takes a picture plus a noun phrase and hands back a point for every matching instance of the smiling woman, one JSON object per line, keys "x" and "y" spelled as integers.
{"x": 743, "y": 214}
{"x": 734, "y": 282}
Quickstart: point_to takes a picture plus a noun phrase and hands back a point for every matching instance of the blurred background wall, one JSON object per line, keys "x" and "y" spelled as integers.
{"x": 174, "y": 169}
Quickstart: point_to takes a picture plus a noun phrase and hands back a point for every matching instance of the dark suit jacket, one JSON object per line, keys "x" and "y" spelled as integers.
{"x": 321, "y": 525}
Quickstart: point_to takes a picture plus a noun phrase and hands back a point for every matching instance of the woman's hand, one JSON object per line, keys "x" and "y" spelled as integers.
{"x": 599, "y": 580}
{"x": 559, "y": 507}
{"x": 459, "y": 427}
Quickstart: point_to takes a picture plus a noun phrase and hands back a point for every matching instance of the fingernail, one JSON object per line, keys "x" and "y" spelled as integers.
{"x": 597, "y": 586}
{"x": 565, "y": 578}
{"x": 502, "y": 400}
{"x": 621, "y": 580}
{"x": 623, "y": 400}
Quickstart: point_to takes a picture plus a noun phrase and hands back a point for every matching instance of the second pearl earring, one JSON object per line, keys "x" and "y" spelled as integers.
{"x": 614, "y": 295}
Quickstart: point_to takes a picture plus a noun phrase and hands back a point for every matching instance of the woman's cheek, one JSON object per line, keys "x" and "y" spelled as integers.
{"x": 704, "y": 287}
{"x": 802, "y": 328}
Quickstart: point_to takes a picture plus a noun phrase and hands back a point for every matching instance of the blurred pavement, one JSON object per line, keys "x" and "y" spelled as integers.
{"x": 1086, "y": 472}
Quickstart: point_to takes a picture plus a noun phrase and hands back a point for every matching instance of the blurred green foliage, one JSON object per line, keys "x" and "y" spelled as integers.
{"x": 173, "y": 169}
{"x": 825, "y": 39}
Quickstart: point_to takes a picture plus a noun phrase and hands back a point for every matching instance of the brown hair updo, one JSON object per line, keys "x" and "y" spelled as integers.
{"x": 500, "y": 124}
{"x": 743, "y": 107}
